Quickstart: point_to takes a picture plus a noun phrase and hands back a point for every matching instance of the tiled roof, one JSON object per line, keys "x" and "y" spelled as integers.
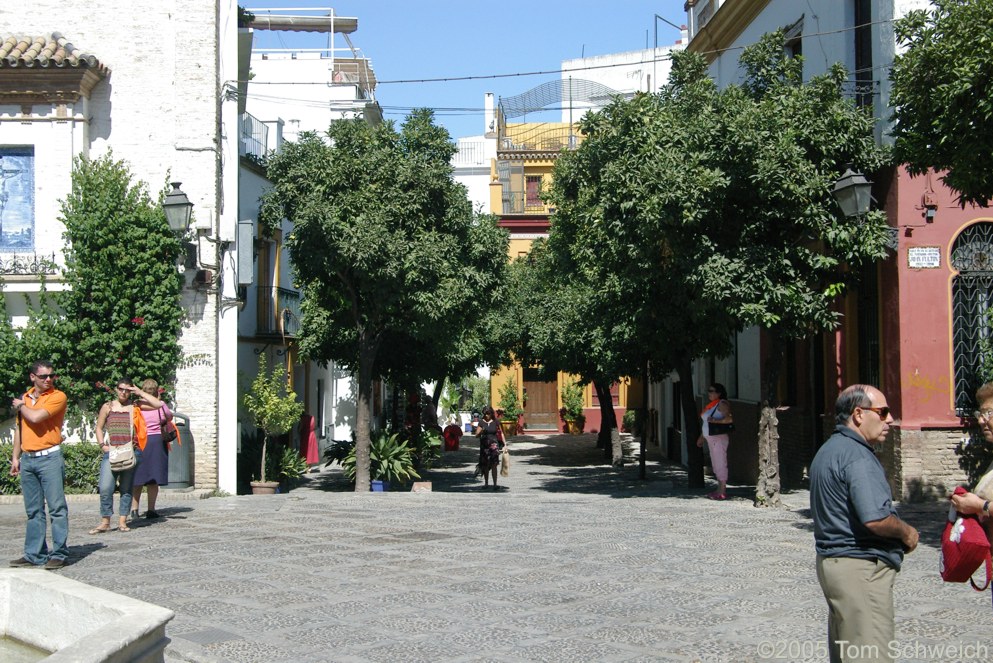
{"x": 49, "y": 51}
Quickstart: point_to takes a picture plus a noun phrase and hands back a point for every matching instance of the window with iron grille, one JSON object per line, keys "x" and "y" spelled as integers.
{"x": 972, "y": 294}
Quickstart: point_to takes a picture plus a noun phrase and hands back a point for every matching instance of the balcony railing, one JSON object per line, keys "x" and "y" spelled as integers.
{"x": 518, "y": 202}
{"x": 551, "y": 137}
{"x": 471, "y": 153}
{"x": 278, "y": 312}
{"x": 27, "y": 264}
{"x": 254, "y": 138}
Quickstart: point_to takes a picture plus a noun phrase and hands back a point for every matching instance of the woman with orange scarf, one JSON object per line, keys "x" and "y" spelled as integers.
{"x": 717, "y": 411}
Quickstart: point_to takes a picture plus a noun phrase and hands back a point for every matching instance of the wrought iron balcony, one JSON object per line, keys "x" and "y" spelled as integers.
{"x": 278, "y": 312}
{"x": 254, "y": 138}
{"x": 518, "y": 202}
{"x": 27, "y": 264}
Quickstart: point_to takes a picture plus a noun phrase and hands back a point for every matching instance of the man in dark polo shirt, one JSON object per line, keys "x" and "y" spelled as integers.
{"x": 859, "y": 539}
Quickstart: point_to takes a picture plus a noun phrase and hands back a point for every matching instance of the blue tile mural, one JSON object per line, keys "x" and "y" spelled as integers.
{"x": 16, "y": 199}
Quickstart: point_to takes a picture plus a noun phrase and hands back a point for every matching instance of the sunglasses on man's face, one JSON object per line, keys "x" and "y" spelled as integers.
{"x": 46, "y": 376}
{"x": 883, "y": 411}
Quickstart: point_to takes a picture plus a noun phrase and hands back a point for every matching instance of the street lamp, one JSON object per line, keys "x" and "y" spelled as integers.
{"x": 852, "y": 191}
{"x": 178, "y": 209}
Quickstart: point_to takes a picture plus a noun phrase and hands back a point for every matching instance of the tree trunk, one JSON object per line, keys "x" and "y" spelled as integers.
{"x": 691, "y": 424}
{"x": 645, "y": 423}
{"x": 439, "y": 388}
{"x": 607, "y": 419}
{"x": 363, "y": 415}
{"x": 768, "y": 484}
{"x": 265, "y": 439}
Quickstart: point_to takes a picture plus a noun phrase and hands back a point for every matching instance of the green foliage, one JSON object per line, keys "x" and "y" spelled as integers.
{"x": 292, "y": 465}
{"x": 942, "y": 95}
{"x": 272, "y": 404}
{"x": 388, "y": 253}
{"x": 687, "y": 215}
{"x": 471, "y": 394}
{"x": 338, "y": 452}
{"x": 426, "y": 448}
{"x": 629, "y": 421}
{"x": 509, "y": 401}
{"x": 390, "y": 460}
{"x": 572, "y": 400}
{"x": 121, "y": 316}
{"x": 82, "y": 469}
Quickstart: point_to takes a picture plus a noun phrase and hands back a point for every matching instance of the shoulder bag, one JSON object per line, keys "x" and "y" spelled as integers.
{"x": 716, "y": 428}
{"x": 169, "y": 431}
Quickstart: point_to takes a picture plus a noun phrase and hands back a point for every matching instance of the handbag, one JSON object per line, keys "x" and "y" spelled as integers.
{"x": 716, "y": 428}
{"x": 169, "y": 431}
{"x": 122, "y": 457}
{"x": 505, "y": 463}
{"x": 964, "y": 548}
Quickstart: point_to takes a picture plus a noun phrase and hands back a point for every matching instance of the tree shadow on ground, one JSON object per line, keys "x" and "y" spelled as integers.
{"x": 550, "y": 463}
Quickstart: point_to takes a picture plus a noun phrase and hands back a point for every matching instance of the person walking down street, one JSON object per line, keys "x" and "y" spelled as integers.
{"x": 859, "y": 539}
{"x": 978, "y": 501}
{"x": 154, "y": 468}
{"x": 715, "y": 416}
{"x": 37, "y": 458}
{"x": 490, "y": 444}
{"x": 120, "y": 423}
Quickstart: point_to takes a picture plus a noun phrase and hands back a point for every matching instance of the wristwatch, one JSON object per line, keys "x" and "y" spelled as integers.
{"x": 986, "y": 507}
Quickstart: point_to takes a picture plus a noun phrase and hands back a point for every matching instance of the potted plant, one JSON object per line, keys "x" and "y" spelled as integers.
{"x": 572, "y": 408}
{"x": 391, "y": 461}
{"x": 510, "y": 404}
{"x": 274, "y": 408}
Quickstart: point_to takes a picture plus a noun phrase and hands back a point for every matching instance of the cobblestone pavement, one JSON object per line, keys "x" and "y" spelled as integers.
{"x": 572, "y": 561}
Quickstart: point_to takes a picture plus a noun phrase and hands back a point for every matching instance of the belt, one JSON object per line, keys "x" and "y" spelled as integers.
{"x": 43, "y": 452}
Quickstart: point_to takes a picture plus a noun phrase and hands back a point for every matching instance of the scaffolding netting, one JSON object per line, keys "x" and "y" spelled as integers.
{"x": 569, "y": 91}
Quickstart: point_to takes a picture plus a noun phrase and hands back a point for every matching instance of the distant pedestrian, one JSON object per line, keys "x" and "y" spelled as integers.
{"x": 491, "y": 442}
{"x": 153, "y": 471}
{"x": 717, "y": 411}
{"x": 38, "y": 459}
{"x": 119, "y": 423}
{"x": 859, "y": 539}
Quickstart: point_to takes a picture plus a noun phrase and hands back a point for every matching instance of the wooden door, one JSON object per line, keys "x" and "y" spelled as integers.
{"x": 541, "y": 411}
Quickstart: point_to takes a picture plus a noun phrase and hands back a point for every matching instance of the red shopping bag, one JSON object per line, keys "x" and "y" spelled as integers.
{"x": 964, "y": 548}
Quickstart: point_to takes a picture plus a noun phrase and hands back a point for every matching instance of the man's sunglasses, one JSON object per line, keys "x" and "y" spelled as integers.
{"x": 46, "y": 376}
{"x": 883, "y": 412}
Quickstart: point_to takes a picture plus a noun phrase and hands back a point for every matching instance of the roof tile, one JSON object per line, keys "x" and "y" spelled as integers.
{"x": 52, "y": 50}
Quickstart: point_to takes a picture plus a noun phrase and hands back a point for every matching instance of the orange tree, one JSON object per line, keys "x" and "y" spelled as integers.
{"x": 386, "y": 249}
{"x": 699, "y": 211}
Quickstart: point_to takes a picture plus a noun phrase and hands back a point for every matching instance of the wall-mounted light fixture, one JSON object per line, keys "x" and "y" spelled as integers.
{"x": 178, "y": 209}
{"x": 853, "y": 193}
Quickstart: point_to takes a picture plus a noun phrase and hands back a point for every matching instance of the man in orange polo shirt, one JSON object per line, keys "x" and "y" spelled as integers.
{"x": 38, "y": 459}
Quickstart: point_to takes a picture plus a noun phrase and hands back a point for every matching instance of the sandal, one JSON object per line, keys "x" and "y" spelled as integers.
{"x": 123, "y": 528}
{"x": 717, "y": 496}
{"x": 102, "y": 529}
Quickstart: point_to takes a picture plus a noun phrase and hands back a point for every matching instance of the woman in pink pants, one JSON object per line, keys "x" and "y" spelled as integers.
{"x": 717, "y": 415}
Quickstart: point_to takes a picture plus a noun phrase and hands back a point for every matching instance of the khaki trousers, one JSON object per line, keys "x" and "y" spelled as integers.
{"x": 859, "y": 595}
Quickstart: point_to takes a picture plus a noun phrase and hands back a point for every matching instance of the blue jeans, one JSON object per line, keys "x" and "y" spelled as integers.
{"x": 123, "y": 481}
{"x": 43, "y": 482}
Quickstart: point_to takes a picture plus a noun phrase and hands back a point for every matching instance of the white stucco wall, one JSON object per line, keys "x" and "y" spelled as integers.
{"x": 159, "y": 111}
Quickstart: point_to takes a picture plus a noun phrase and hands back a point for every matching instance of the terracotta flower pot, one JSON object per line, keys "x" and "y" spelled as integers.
{"x": 264, "y": 487}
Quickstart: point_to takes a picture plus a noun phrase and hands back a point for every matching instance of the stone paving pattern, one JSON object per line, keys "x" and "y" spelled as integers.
{"x": 572, "y": 561}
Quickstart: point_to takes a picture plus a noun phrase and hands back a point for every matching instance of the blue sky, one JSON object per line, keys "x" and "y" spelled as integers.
{"x": 455, "y": 38}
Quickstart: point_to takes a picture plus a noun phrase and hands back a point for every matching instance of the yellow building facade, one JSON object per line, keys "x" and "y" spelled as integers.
{"x": 526, "y": 154}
